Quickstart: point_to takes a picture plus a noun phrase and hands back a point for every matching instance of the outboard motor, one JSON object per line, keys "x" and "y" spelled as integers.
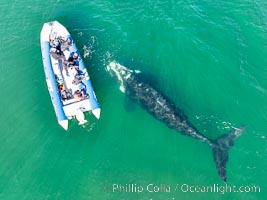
{"x": 80, "y": 117}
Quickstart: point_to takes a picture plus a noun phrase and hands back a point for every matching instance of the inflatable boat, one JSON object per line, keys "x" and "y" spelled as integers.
{"x": 67, "y": 79}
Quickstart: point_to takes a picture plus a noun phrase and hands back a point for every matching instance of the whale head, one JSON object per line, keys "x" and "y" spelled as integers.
{"x": 121, "y": 73}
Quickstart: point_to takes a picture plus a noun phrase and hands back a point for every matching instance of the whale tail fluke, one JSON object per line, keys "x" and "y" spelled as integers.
{"x": 221, "y": 147}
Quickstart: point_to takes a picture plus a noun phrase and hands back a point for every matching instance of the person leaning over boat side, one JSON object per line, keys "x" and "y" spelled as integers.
{"x": 79, "y": 72}
{"x": 73, "y": 59}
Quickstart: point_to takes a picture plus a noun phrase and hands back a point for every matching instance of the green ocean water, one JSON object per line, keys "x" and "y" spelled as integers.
{"x": 209, "y": 57}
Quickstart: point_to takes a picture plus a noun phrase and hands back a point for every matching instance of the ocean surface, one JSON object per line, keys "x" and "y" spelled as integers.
{"x": 209, "y": 57}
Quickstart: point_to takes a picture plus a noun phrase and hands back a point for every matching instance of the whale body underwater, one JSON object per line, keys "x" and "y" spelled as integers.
{"x": 163, "y": 109}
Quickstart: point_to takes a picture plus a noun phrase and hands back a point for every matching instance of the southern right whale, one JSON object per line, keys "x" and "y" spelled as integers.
{"x": 163, "y": 109}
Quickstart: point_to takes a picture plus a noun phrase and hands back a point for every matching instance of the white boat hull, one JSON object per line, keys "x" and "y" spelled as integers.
{"x": 57, "y": 74}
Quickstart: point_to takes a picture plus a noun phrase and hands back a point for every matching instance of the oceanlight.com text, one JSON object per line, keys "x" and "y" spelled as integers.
{"x": 222, "y": 189}
{"x": 181, "y": 188}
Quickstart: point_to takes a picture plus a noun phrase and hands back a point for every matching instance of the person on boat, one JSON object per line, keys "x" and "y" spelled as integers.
{"x": 65, "y": 43}
{"x": 81, "y": 93}
{"x": 77, "y": 79}
{"x": 73, "y": 60}
{"x": 65, "y": 95}
{"x": 60, "y": 87}
{"x": 79, "y": 72}
{"x": 78, "y": 95}
{"x": 55, "y": 49}
{"x": 68, "y": 95}
{"x": 82, "y": 88}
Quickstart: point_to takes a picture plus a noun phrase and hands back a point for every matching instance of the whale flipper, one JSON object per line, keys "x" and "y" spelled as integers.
{"x": 221, "y": 147}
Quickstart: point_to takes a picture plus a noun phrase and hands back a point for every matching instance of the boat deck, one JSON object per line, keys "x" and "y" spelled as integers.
{"x": 65, "y": 79}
